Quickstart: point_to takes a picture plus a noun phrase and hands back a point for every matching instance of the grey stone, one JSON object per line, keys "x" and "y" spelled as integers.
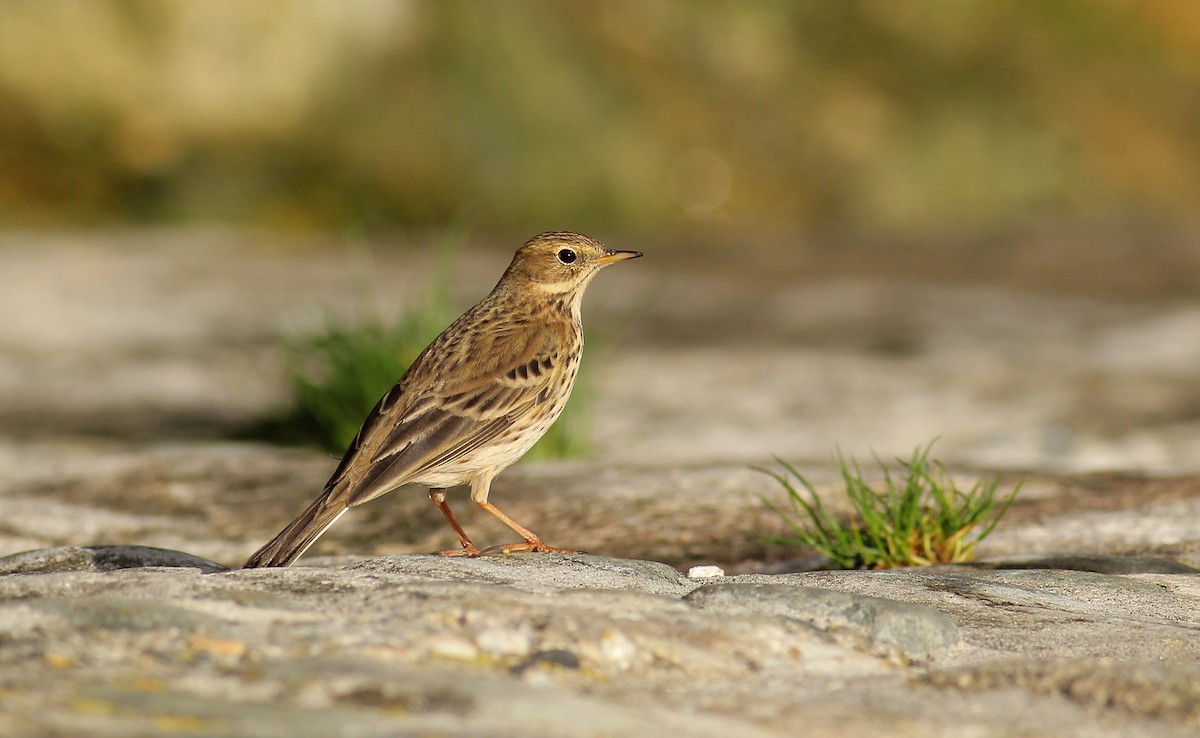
{"x": 896, "y": 628}
{"x": 1155, "y": 689}
{"x": 1036, "y": 611}
{"x": 105, "y": 612}
{"x": 1099, "y": 564}
{"x": 366, "y": 645}
{"x": 578, "y": 645}
{"x": 531, "y": 572}
{"x": 114, "y": 431}
{"x": 100, "y": 558}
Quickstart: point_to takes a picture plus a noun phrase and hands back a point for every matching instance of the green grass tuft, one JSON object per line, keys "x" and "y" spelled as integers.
{"x": 919, "y": 520}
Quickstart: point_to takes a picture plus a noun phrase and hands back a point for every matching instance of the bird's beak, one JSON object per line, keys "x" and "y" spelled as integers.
{"x": 612, "y": 257}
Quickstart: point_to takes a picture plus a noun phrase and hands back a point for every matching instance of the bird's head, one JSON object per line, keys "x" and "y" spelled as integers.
{"x": 562, "y": 262}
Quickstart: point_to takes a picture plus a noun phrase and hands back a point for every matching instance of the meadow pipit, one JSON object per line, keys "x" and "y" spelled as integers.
{"x": 473, "y": 402}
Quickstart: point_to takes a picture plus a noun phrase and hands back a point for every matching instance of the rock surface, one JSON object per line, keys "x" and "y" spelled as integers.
{"x": 131, "y": 360}
{"x": 578, "y": 645}
{"x": 731, "y": 356}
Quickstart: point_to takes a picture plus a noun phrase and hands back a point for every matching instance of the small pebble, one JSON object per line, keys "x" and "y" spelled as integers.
{"x": 704, "y": 572}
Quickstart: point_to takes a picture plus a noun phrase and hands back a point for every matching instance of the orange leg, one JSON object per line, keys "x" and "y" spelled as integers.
{"x": 532, "y": 541}
{"x": 438, "y": 496}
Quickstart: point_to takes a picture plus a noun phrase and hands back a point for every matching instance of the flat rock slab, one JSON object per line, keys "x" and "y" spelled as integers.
{"x": 221, "y": 500}
{"x": 178, "y": 334}
{"x": 131, "y": 359}
{"x": 898, "y": 629}
{"x": 129, "y": 640}
{"x": 100, "y": 558}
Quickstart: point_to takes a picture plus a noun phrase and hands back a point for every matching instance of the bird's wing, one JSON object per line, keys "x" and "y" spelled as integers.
{"x": 454, "y": 412}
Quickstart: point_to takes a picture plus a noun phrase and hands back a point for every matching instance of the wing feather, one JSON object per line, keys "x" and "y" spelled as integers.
{"x": 407, "y": 435}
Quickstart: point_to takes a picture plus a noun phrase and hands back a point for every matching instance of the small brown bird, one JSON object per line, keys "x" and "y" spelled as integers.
{"x": 473, "y": 402}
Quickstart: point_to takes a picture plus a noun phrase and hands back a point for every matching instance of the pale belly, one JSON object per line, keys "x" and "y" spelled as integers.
{"x": 501, "y": 453}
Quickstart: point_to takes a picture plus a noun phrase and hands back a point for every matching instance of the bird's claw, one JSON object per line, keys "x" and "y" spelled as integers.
{"x": 470, "y": 552}
{"x": 530, "y": 547}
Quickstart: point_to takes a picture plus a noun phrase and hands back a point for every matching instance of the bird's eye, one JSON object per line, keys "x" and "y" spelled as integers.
{"x": 567, "y": 256}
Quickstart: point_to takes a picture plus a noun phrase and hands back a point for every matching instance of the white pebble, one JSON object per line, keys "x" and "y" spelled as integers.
{"x": 704, "y": 572}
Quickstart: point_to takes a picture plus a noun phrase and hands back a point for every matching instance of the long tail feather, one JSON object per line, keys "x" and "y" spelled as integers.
{"x": 301, "y": 533}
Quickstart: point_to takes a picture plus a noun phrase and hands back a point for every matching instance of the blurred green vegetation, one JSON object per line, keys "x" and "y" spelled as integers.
{"x": 642, "y": 113}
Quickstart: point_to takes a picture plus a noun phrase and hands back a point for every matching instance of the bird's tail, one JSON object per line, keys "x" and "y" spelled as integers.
{"x": 301, "y": 533}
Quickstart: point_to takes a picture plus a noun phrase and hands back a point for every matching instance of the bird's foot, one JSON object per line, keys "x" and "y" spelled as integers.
{"x": 472, "y": 551}
{"x": 536, "y": 546}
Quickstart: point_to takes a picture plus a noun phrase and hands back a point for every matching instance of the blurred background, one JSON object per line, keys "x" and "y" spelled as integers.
{"x": 883, "y": 221}
{"x": 633, "y": 115}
